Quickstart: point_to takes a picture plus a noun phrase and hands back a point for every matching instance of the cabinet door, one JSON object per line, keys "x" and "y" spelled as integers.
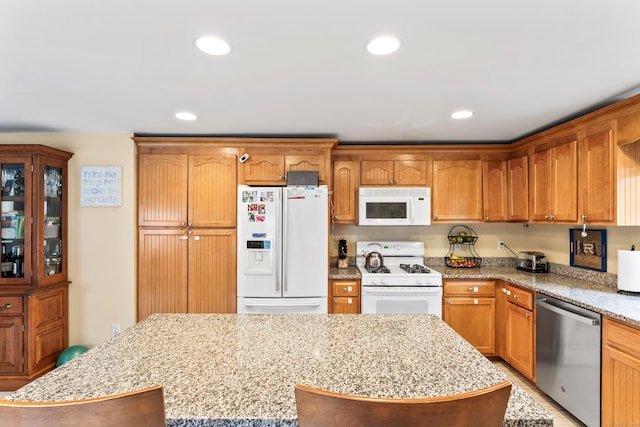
{"x": 597, "y": 171}
{"x": 410, "y": 172}
{"x": 264, "y": 169}
{"x": 48, "y": 328}
{"x": 620, "y": 374}
{"x": 518, "y": 189}
{"x": 11, "y": 348}
{"x": 162, "y": 272}
{"x": 564, "y": 182}
{"x": 306, "y": 162}
{"x": 212, "y": 190}
{"x": 520, "y": 351}
{"x": 16, "y": 197}
{"x": 162, "y": 189}
{"x": 474, "y": 320}
{"x": 376, "y": 172}
{"x": 501, "y": 319}
{"x": 541, "y": 186}
{"x": 457, "y": 190}
{"x": 494, "y": 191}
{"x": 345, "y": 190}
{"x": 212, "y": 271}
{"x": 346, "y": 305}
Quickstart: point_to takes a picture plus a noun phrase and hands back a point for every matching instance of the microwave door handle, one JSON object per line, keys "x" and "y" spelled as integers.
{"x": 411, "y": 210}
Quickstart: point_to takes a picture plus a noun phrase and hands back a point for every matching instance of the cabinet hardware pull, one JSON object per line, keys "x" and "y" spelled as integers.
{"x": 515, "y": 296}
{"x": 449, "y": 302}
{"x": 526, "y": 315}
{"x": 8, "y": 305}
{"x": 280, "y": 178}
{"x": 486, "y": 218}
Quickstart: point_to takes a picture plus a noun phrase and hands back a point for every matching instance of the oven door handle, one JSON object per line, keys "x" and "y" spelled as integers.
{"x": 400, "y": 290}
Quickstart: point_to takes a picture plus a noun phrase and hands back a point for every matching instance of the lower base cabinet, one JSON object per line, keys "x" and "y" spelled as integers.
{"x": 470, "y": 309}
{"x": 33, "y": 333}
{"x": 345, "y": 296}
{"x": 519, "y": 329}
{"x": 620, "y": 374}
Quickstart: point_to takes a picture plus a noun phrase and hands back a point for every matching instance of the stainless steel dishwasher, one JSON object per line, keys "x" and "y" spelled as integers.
{"x": 568, "y": 357}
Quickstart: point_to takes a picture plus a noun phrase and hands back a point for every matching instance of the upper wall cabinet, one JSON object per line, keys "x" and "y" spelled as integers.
{"x": 270, "y": 160}
{"x": 345, "y": 191}
{"x": 554, "y": 180}
{"x": 518, "y": 188}
{"x": 457, "y": 191}
{"x": 495, "y": 190}
{"x": 393, "y": 172}
{"x": 179, "y": 190}
{"x": 596, "y": 181}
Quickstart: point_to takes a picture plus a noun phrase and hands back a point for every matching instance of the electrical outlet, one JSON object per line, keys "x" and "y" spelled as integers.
{"x": 115, "y": 329}
{"x": 500, "y": 245}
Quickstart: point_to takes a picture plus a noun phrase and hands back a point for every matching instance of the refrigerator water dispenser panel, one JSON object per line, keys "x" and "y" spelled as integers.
{"x": 260, "y": 257}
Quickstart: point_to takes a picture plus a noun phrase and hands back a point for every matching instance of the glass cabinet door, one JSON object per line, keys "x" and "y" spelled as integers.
{"x": 53, "y": 216}
{"x": 15, "y": 196}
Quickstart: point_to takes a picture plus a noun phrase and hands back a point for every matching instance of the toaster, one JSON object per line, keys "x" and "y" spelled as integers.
{"x": 532, "y": 261}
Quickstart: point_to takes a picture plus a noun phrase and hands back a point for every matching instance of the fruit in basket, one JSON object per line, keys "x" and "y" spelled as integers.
{"x": 462, "y": 234}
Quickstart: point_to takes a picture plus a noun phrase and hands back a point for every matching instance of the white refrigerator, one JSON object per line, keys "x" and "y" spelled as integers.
{"x": 283, "y": 249}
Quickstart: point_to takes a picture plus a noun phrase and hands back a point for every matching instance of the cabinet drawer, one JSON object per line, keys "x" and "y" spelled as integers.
{"x": 519, "y": 296}
{"x": 346, "y": 288}
{"x": 11, "y": 305}
{"x": 469, "y": 288}
{"x": 621, "y": 336}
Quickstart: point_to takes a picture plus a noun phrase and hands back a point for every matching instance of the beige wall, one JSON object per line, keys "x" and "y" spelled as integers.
{"x": 101, "y": 239}
{"x": 553, "y": 240}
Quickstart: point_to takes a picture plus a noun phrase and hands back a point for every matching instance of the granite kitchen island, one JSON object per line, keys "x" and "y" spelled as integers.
{"x": 240, "y": 370}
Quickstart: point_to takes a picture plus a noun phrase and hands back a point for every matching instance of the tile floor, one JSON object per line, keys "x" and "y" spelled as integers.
{"x": 561, "y": 418}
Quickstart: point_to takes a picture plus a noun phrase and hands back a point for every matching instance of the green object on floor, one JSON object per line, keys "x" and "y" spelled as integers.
{"x": 70, "y": 353}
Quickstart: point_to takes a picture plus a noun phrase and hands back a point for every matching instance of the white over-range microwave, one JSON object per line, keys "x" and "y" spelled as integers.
{"x": 394, "y": 206}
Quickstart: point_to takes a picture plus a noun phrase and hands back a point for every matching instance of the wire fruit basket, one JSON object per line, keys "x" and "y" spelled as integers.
{"x": 460, "y": 236}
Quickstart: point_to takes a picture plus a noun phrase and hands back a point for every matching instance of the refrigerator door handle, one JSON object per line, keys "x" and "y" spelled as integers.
{"x": 284, "y": 242}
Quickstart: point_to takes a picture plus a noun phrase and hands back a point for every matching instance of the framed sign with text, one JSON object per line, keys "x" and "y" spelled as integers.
{"x": 588, "y": 251}
{"x": 101, "y": 186}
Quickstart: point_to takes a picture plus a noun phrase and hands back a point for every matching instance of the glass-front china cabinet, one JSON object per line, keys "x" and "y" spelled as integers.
{"x": 33, "y": 281}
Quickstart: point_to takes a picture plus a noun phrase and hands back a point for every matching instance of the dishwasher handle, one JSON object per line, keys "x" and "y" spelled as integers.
{"x": 542, "y": 302}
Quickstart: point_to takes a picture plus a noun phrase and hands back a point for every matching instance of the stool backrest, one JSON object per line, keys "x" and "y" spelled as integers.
{"x": 141, "y": 408}
{"x": 482, "y": 408}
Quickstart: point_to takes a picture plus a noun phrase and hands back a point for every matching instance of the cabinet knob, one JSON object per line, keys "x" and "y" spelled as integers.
{"x": 390, "y": 182}
{"x": 8, "y": 305}
{"x": 449, "y": 302}
{"x": 280, "y": 178}
{"x": 474, "y": 289}
{"x": 515, "y": 296}
{"x": 546, "y": 217}
{"x": 552, "y": 217}
{"x": 526, "y": 315}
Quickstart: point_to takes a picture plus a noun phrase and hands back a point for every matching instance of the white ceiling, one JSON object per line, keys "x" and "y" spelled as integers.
{"x": 299, "y": 67}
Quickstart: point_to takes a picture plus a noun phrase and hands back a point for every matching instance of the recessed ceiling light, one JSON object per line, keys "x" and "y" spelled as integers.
{"x": 462, "y": 114}
{"x": 383, "y": 45}
{"x": 185, "y": 115}
{"x": 213, "y": 45}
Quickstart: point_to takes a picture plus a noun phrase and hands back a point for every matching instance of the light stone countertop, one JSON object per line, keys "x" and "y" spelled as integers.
{"x": 240, "y": 370}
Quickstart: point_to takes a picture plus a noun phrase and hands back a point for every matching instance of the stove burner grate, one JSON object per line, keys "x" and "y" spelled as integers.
{"x": 415, "y": 268}
{"x": 381, "y": 269}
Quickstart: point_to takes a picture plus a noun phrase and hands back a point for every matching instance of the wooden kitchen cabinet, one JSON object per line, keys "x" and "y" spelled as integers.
{"x": 344, "y": 296}
{"x": 393, "y": 172}
{"x": 494, "y": 190}
{"x": 596, "y": 166}
{"x": 34, "y": 282}
{"x": 180, "y": 190}
{"x": 345, "y": 191}
{"x": 457, "y": 191}
{"x": 518, "y": 189}
{"x": 186, "y": 229}
{"x": 554, "y": 183}
{"x": 620, "y": 374}
{"x": 186, "y": 271}
{"x": 519, "y": 329}
{"x": 271, "y": 169}
{"x": 470, "y": 309}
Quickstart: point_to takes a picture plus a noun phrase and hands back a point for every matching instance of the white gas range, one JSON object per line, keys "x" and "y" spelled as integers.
{"x": 403, "y": 285}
